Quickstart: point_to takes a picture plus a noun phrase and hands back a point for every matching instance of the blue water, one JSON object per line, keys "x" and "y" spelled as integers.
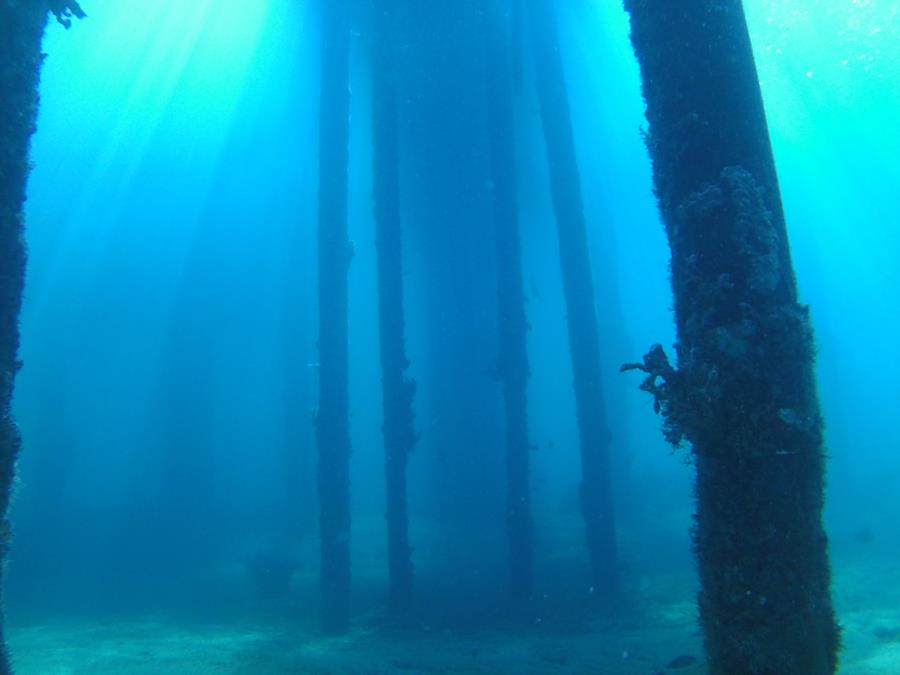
{"x": 169, "y": 327}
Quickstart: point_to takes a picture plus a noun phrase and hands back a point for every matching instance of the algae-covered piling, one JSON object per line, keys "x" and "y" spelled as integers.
{"x": 21, "y": 33}
{"x": 743, "y": 390}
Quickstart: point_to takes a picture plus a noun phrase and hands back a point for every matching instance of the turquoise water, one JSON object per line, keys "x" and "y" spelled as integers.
{"x": 169, "y": 342}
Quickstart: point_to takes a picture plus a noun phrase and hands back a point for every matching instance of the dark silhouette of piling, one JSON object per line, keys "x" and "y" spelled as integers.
{"x": 335, "y": 252}
{"x": 397, "y": 389}
{"x": 743, "y": 392}
{"x": 578, "y": 288}
{"x": 512, "y": 324}
{"x": 21, "y": 32}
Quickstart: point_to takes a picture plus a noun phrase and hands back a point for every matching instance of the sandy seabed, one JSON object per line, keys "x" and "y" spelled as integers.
{"x": 646, "y": 642}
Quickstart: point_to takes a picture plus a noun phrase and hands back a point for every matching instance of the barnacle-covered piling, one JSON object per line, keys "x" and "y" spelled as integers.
{"x": 743, "y": 390}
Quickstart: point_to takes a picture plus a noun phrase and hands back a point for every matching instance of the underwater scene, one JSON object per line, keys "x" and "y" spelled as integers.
{"x": 411, "y": 337}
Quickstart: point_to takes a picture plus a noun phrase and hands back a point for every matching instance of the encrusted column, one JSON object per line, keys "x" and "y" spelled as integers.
{"x": 743, "y": 390}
